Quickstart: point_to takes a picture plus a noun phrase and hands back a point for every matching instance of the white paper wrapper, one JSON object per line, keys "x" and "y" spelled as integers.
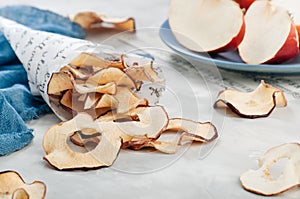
{"x": 43, "y": 53}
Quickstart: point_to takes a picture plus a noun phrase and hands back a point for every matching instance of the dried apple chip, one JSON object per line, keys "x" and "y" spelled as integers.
{"x": 13, "y": 186}
{"x": 86, "y": 19}
{"x": 258, "y": 103}
{"x": 59, "y": 82}
{"x": 85, "y": 136}
{"x": 122, "y": 23}
{"x": 107, "y": 101}
{"x": 144, "y": 73}
{"x": 60, "y": 156}
{"x": 262, "y": 182}
{"x": 91, "y": 100}
{"x": 194, "y": 131}
{"x": 128, "y": 100}
{"x": 151, "y": 122}
{"x": 91, "y": 20}
{"x": 190, "y": 131}
{"x": 109, "y": 75}
{"x": 75, "y": 72}
{"x": 89, "y": 60}
{"x": 109, "y": 88}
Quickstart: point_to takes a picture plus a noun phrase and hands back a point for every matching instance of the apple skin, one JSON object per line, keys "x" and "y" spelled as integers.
{"x": 244, "y": 3}
{"x": 235, "y": 42}
{"x": 298, "y": 30}
{"x": 290, "y": 48}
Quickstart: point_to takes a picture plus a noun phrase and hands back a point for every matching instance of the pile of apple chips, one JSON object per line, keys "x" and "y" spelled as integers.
{"x": 100, "y": 96}
{"x": 97, "y": 85}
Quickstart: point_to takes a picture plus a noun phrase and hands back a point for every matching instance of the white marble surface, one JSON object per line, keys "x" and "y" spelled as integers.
{"x": 155, "y": 175}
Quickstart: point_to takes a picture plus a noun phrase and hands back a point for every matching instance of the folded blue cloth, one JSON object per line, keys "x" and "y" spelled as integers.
{"x": 17, "y": 104}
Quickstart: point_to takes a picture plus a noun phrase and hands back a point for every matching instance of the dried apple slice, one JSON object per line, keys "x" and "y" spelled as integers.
{"x": 258, "y": 103}
{"x": 261, "y": 181}
{"x": 59, "y": 82}
{"x": 89, "y": 60}
{"x": 122, "y": 23}
{"x": 71, "y": 101}
{"x": 75, "y": 72}
{"x": 60, "y": 156}
{"x": 84, "y": 136}
{"x": 109, "y": 88}
{"x": 144, "y": 73}
{"x": 20, "y": 194}
{"x": 111, "y": 74}
{"x": 128, "y": 100}
{"x": 91, "y": 20}
{"x": 86, "y": 19}
{"x": 13, "y": 186}
{"x": 107, "y": 101}
{"x": 91, "y": 100}
{"x": 152, "y": 121}
{"x": 192, "y": 131}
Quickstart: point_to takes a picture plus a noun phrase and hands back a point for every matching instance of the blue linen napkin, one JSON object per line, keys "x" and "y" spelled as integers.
{"x": 17, "y": 104}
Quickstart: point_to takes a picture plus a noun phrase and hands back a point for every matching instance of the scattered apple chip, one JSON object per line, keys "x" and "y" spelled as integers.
{"x": 122, "y": 23}
{"x": 190, "y": 131}
{"x": 91, "y": 20}
{"x": 86, "y": 19}
{"x": 262, "y": 182}
{"x": 59, "y": 82}
{"x": 13, "y": 186}
{"x": 258, "y": 103}
{"x": 60, "y": 156}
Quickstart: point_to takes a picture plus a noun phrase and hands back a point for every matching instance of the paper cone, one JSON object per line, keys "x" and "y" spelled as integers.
{"x": 43, "y": 53}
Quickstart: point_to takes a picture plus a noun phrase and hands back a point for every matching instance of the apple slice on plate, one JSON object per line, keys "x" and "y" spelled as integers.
{"x": 245, "y": 3}
{"x": 270, "y": 36}
{"x": 207, "y": 25}
{"x": 293, "y": 6}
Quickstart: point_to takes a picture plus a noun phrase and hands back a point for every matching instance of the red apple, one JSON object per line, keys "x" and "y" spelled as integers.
{"x": 244, "y": 3}
{"x": 270, "y": 37}
{"x": 293, "y": 6}
{"x": 207, "y": 25}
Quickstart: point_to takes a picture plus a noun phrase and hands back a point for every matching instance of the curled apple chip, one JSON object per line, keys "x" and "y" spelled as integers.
{"x": 258, "y": 103}
{"x": 62, "y": 157}
{"x": 59, "y": 82}
{"x": 111, "y": 74}
{"x": 144, "y": 73}
{"x": 92, "y": 20}
{"x": 109, "y": 88}
{"x": 89, "y": 60}
{"x": 188, "y": 131}
{"x": 13, "y": 186}
{"x": 127, "y": 100}
{"x": 262, "y": 182}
